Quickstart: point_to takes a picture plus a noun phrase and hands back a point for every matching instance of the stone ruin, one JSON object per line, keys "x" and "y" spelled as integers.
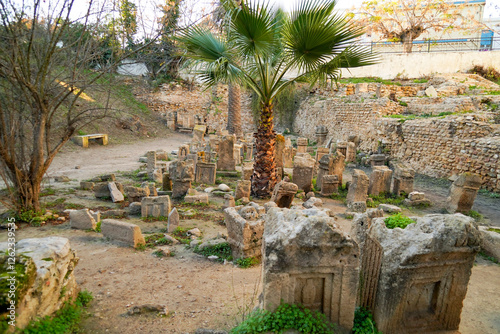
{"x": 245, "y": 227}
{"x": 284, "y": 192}
{"x": 350, "y": 152}
{"x": 341, "y": 146}
{"x": 418, "y": 289}
{"x": 303, "y": 170}
{"x": 325, "y": 168}
{"x": 377, "y": 159}
{"x": 308, "y": 260}
{"x": 243, "y": 188}
{"x": 463, "y": 192}
{"x": 321, "y": 133}
{"x": 338, "y": 164}
{"x": 380, "y": 180}
{"x": 181, "y": 174}
{"x": 329, "y": 185}
{"x": 225, "y": 154}
{"x": 403, "y": 179}
{"x": 358, "y": 191}
{"x": 302, "y": 145}
{"x": 158, "y": 206}
{"x": 205, "y": 172}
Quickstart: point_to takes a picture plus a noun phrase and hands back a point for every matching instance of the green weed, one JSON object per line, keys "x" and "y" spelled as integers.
{"x": 247, "y": 262}
{"x": 474, "y": 214}
{"x": 398, "y": 220}
{"x": 222, "y": 250}
{"x": 363, "y": 322}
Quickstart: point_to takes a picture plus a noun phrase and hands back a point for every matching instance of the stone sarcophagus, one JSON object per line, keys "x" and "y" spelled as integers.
{"x": 418, "y": 289}
{"x": 244, "y": 229}
{"x": 308, "y": 260}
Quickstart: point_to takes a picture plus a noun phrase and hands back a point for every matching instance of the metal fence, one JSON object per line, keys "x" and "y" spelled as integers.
{"x": 439, "y": 45}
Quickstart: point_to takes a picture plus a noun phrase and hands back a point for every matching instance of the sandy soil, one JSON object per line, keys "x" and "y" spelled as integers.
{"x": 197, "y": 292}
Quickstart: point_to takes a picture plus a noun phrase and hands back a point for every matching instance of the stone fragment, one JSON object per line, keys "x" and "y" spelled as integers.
{"x": 101, "y": 190}
{"x": 341, "y": 147}
{"x": 312, "y": 202}
{"x": 350, "y": 152}
{"x": 183, "y": 152}
{"x": 338, "y": 163}
{"x": 308, "y": 260}
{"x": 283, "y": 193}
{"x": 416, "y": 198}
{"x": 242, "y": 189}
{"x": 166, "y": 182}
{"x": 62, "y": 178}
{"x": 320, "y": 152}
{"x": 194, "y": 231}
{"x": 463, "y": 192}
{"x": 358, "y": 191}
{"x": 491, "y": 241}
{"x": 228, "y": 201}
{"x": 288, "y": 154}
{"x": 159, "y": 206}
{"x": 199, "y": 132}
{"x": 321, "y": 133}
{"x": 302, "y": 145}
{"x": 225, "y": 154}
{"x": 205, "y": 173}
{"x": 134, "y": 209}
{"x": 127, "y": 233}
{"x": 197, "y": 198}
{"x": 303, "y": 169}
{"x": 151, "y": 164}
{"x": 114, "y": 213}
{"x": 244, "y": 228}
{"x": 329, "y": 185}
{"x": 325, "y": 167}
{"x": 211, "y": 243}
{"x": 431, "y": 92}
{"x": 224, "y": 187}
{"x": 152, "y": 188}
{"x": 173, "y": 220}
{"x": 389, "y": 208}
{"x": 247, "y": 173}
{"x": 116, "y": 195}
{"x": 380, "y": 180}
{"x": 87, "y": 185}
{"x": 182, "y": 175}
{"x": 135, "y": 194}
{"x": 377, "y": 159}
{"x": 82, "y": 220}
{"x": 414, "y": 280}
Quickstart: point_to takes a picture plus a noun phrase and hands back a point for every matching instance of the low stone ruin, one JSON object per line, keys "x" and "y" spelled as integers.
{"x": 225, "y": 154}
{"x": 303, "y": 170}
{"x": 245, "y": 227}
{"x": 463, "y": 192}
{"x": 416, "y": 198}
{"x": 123, "y": 232}
{"x": 158, "y": 206}
{"x": 302, "y": 145}
{"x": 358, "y": 191}
{"x": 380, "y": 180}
{"x": 329, "y": 185}
{"x": 83, "y": 219}
{"x": 205, "y": 173}
{"x": 181, "y": 174}
{"x": 414, "y": 280}
{"x": 243, "y": 188}
{"x": 403, "y": 179}
{"x": 284, "y": 192}
{"x": 308, "y": 260}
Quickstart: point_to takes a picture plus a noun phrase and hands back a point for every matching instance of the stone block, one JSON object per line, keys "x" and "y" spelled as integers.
{"x": 463, "y": 192}
{"x": 244, "y": 229}
{"x": 283, "y": 193}
{"x": 134, "y": 209}
{"x": 127, "y": 233}
{"x": 302, "y": 145}
{"x": 279, "y": 148}
{"x": 159, "y": 206}
{"x": 196, "y": 198}
{"x": 116, "y": 195}
{"x": 151, "y": 164}
{"x": 308, "y": 260}
{"x": 418, "y": 289}
{"x": 151, "y": 186}
{"x": 173, "y": 220}
{"x": 288, "y": 154}
{"x": 228, "y": 201}
{"x": 182, "y": 175}
{"x": 247, "y": 173}
{"x": 329, "y": 185}
{"x": 87, "y": 185}
{"x": 377, "y": 159}
{"x": 358, "y": 191}
{"x": 225, "y": 154}
{"x": 380, "y": 180}
{"x": 403, "y": 179}
{"x": 135, "y": 194}
{"x": 351, "y": 152}
{"x": 389, "y": 208}
{"x": 242, "y": 189}
{"x": 490, "y": 242}
{"x": 82, "y": 220}
{"x": 416, "y": 198}
{"x": 205, "y": 173}
{"x": 338, "y": 165}
{"x": 166, "y": 182}
{"x": 303, "y": 169}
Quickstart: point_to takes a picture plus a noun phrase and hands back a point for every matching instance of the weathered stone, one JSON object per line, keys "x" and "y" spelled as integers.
{"x": 166, "y": 182}
{"x": 87, "y": 185}
{"x": 415, "y": 279}
{"x": 288, "y": 154}
{"x": 158, "y": 175}
{"x": 134, "y": 209}
{"x": 173, "y": 220}
{"x": 247, "y": 173}
{"x": 283, "y": 193}
{"x": 416, "y": 198}
{"x": 321, "y": 133}
{"x": 358, "y": 191}
{"x": 151, "y": 186}
{"x": 380, "y": 180}
{"x": 431, "y": 92}
{"x": 199, "y": 132}
{"x": 312, "y": 202}
{"x": 205, "y": 173}
{"x": 491, "y": 241}
{"x": 151, "y": 164}
{"x": 181, "y": 174}
{"x": 228, "y": 201}
{"x": 114, "y": 213}
{"x": 135, "y": 194}
{"x": 303, "y": 169}
{"x": 463, "y": 192}
{"x": 244, "y": 229}
{"x": 104, "y": 178}
{"x": 224, "y": 187}
{"x": 338, "y": 163}
{"x": 197, "y": 198}
{"x": 341, "y": 147}
{"x": 183, "y": 152}
{"x": 302, "y": 145}
{"x": 377, "y": 159}
{"x": 127, "y": 233}
{"x": 49, "y": 265}
{"x": 82, "y": 220}
{"x": 225, "y": 154}
{"x": 325, "y": 167}
{"x": 329, "y": 185}
{"x": 101, "y": 190}
{"x": 242, "y": 189}
{"x": 360, "y": 225}
{"x": 238, "y": 153}
{"x": 308, "y": 260}
{"x": 159, "y": 206}
{"x": 320, "y": 152}
{"x": 350, "y": 152}
{"x": 389, "y": 208}
{"x": 403, "y": 179}
{"x": 116, "y": 195}
{"x": 194, "y": 232}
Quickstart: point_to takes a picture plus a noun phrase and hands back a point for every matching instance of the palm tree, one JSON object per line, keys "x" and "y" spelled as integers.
{"x": 268, "y": 50}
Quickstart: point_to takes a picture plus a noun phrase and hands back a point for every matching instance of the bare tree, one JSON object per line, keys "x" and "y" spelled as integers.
{"x": 48, "y": 60}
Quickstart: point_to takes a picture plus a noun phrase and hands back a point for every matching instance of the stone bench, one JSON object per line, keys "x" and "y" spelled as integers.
{"x": 83, "y": 141}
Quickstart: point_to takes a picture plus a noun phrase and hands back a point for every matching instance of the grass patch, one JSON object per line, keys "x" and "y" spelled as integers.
{"x": 48, "y": 192}
{"x": 285, "y": 317}
{"x": 150, "y": 219}
{"x": 222, "y": 250}
{"x": 474, "y": 214}
{"x": 180, "y": 233}
{"x": 488, "y": 193}
{"x": 368, "y": 80}
{"x": 489, "y": 258}
{"x": 497, "y": 230}
{"x": 341, "y": 194}
{"x": 157, "y": 239}
{"x": 247, "y": 262}
{"x": 402, "y": 103}
{"x": 363, "y": 322}
{"x": 398, "y": 220}
{"x": 74, "y": 206}
{"x": 422, "y": 80}
{"x": 386, "y": 198}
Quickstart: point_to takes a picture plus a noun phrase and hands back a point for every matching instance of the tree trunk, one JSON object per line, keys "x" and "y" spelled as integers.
{"x": 27, "y": 192}
{"x": 407, "y": 44}
{"x": 264, "y": 174}
{"x": 234, "y": 109}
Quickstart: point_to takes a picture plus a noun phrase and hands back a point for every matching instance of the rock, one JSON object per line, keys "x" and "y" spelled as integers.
{"x": 114, "y": 213}
{"x": 159, "y": 206}
{"x": 82, "y": 220}
{"x": 148, "y": 308}
{"x": 143, "y": 159}
{"x": 134, "y": 209}
{"x": 463, "y": 192}
{"x": 284, "y": 192}
{"x": 162, "y": 252}
{"x": 62, "y": 178}
{"x": 209, "y": 190}
{"x": 431, "y": 92}
{"x": 195, "y": 243}
{"x": 491, "y": 242}
{"x": 358, "y": 191}
{"x": 224, "y": 187}
{"x": 245, "y": 200}
{"x": 87, "y": 185}
{"x": 389, "y": 208}
{"x": 312, "y": 202}
{"x": 211, "y": 243}
{"x": 213, "y": 257}
{"x": 127, "y": 233}
{"x": 243, "y": 188}
{"x": 173, "y": 220}
{"x": 245, "y": 228}
{"x": 116, "y": 195}
{"x": 416, "y": 198}
{"x": 195, "y": 231}
{"x": 173, "y": 240}
{"x": 198, "y": 198}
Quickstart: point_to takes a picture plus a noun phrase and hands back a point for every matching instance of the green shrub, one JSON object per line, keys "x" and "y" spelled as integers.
{"x": 157, "y": 239}
{"x": 285, "y": 317}
{"x": 402, "y": 103}
{"x": 474, "y": 214}
{"x": 363, "y": 322}
{"x": 398, "y": 220}
{"x": 222, "y": 250}
{"x": 247, "y": 262}
{"x": 180, "y": 233}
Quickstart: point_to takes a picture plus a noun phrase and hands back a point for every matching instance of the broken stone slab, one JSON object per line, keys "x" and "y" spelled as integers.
{"x": 211, "y": 243}
{"x": 309, "y": 260}
{"x": 245, "y": 228}
{"x": 197, "y": 198}
{"x": 205, "y": 173}
{"x": 82, "y": 220}
{"x": 463, "y": 192}
{"x": 116, "y": 195}
{"x": 403, "y": 179}
{"x": 225, "y": 154}
{"x": 284, "y": 192}
{"x": 173, "y": 220}
{"x": 127, "y": 233}
{"x": 194, "y": 232}
{"x": 377, "y": 159}
{"x": 247, "y": 173}
{"x": 312, "y": 202}
{"x": 228, "y": 201}
{"x": 182, "y": 175}
{"x": 329, "y": 185}
{"x": 431, "y": 92}
{"x": 303, "y": 170}
{"x": 159, "y": 206}
{"x": 414, "y": 280}
{"x": 491, "y": 242}
{"x": 243, "y": 188}
{"x": 152, "y": 188}
{"x": 389, "y": 208}
{"x": 135, "y": 194}
{"x": 114, "y": 213}
{"x": 104, "y": 178}
{"x": 101, "y": 190}
{"x": 134, "y": 209}
{"x": 416, "y": 198}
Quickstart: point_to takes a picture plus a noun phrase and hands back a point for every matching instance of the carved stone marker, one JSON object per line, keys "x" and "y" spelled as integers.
{"x": 380, "y": 180}
{"x": 183, "y": 152}
{"x": 159, "y": 206}
{"x": 284, "y": 192}
{"x": 136, "y": 194}
{"x": 377, "y": 159}
{"x": 225, "y": 154}
{"x": 308, "y": 260}
{"x": 199, "y": 132}
{"x": 338, "y": 165}
{"x": 288, "y": 154}
{"x": 350, "y": 152}
{"x": 342, "y": 147}
{"x": 329, "y": 185}
{"x": 463, "y": 192}
{"x": 205, "y": 173}
{"x": 358, "y": 191}
{"x": 116, "y": 194}
{"x": 320, "y": 152}
{"x": 321, "y": 133}
{"x": 244, "y": 230}
{"x": 173, "y": 220}
{"x": 151, "y": 163}
{"x": 243, "y": 188}
{"x": 303, "y": 169}
{"x": 415, "y": 280}
{"x": 325, "y": 168}
{"x": 403, "y": 179}
{"x": 167, "y": 182}
{"x": 301, "y": 145}
{"x": 182, "y": 176}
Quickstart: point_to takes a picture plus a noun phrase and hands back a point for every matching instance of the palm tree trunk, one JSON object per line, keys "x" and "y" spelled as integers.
{"x": 234, "y": 109}
{"x": 264, "y": 174}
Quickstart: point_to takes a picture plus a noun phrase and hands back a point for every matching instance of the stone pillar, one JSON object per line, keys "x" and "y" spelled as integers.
{"x": 279, "y": 151}
{"x": 288, "y": 157}
{"x": 225, "y": 154}
{"x": 238, "y": 152}
{"x": 377, "y": 159}
{"x": 243, "y": 188}
{"x": 284, "y": 192}
{"x": 316, "y": 266}
{"x": 414, "y": 280}
{"x": 329, "y": 185}
{"x": 199, "y": 133}
{"x": 320, "y": 152}
{"x": 205, "y": 173}
{"x": 358, "y": 191}
{"x": 403, "y": 179}
{"x": 338, "y": 165}
{"x": 183, "y": 152}
{"x": 351, "y": 152}
{"x": 321, "y": 133}
{"x": 301, "y": 145}
{"x": 303, "y": 169}
{"x": 380, "y": 180}
{"x": 463, "y": 192}
{"x": 325, "y": 168}
{"x": 151, "y": 163}
{"x": 181, "y": 174}
{"x": 245, "y": 228}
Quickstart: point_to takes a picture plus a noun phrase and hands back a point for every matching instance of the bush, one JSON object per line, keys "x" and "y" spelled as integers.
{"x": 363, "y": 322}
{"x": 247, "y": 262}
{"x": 398, "y": 220}
{"x": 222, "y": 250}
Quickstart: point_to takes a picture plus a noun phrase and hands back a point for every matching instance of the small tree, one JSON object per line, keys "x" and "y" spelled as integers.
{"x": 47, "y": 62}
{"x": 406, "y": 20}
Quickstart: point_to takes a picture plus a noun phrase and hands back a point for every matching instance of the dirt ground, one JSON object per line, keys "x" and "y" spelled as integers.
{"x": 199, "y": 292}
